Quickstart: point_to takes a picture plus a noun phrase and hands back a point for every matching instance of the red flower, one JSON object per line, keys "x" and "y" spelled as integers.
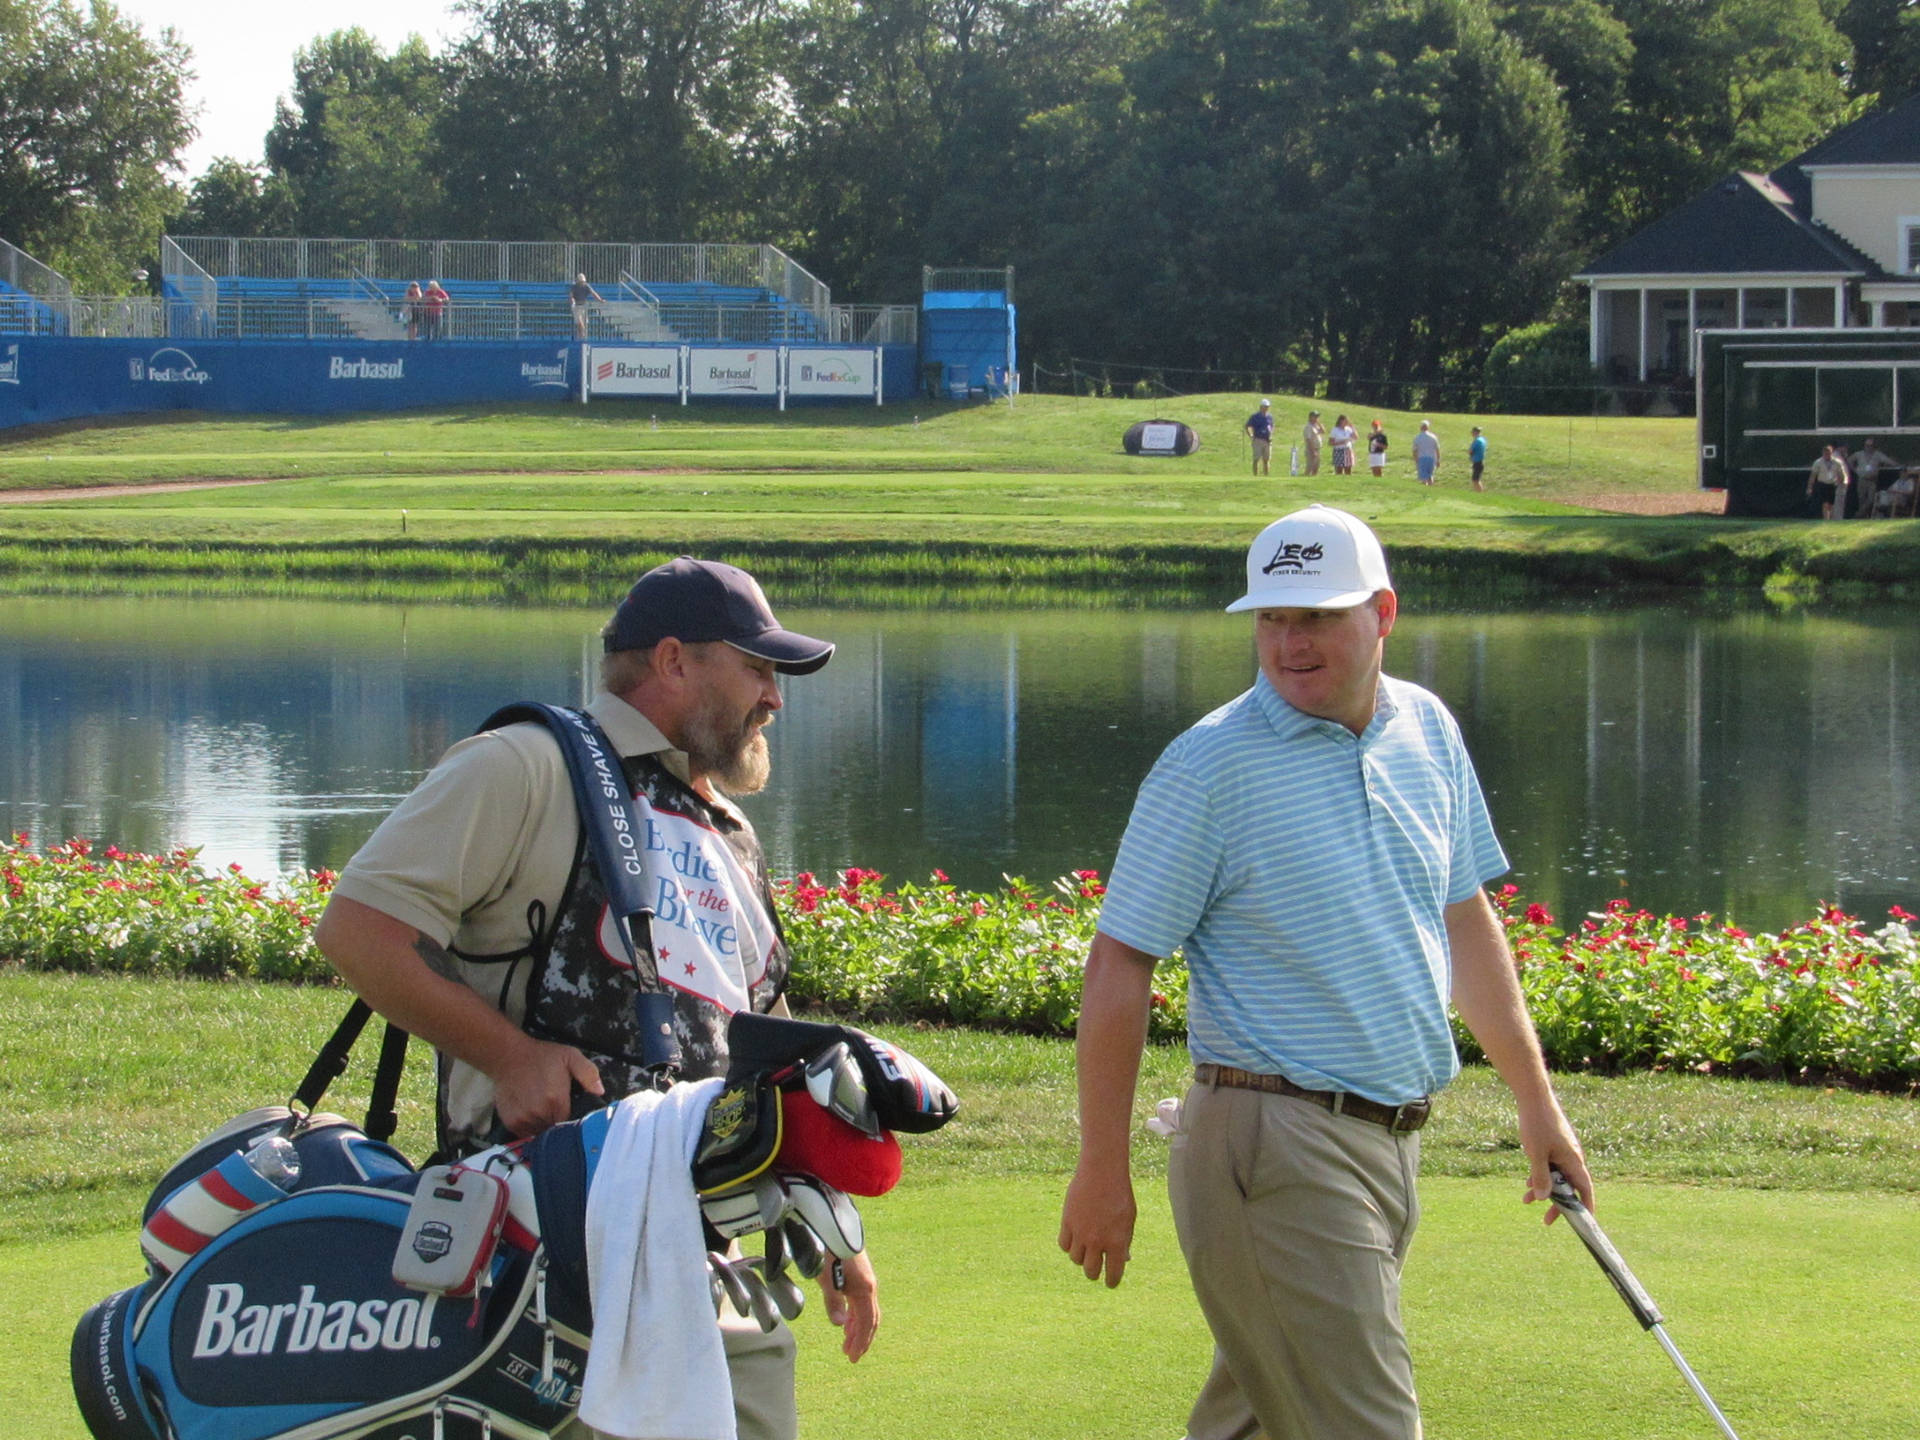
{"x": 1899, "y": 914}
{"x": 1539, "y": 915}
{"x": 941, "y": 877}
{"x": 1734, "y": 932}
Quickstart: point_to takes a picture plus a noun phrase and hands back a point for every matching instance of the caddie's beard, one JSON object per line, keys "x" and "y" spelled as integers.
{"x": 733, "y": 756}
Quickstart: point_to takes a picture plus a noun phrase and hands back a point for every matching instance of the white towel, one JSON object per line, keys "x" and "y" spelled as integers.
{"x": 657, "y": 1369}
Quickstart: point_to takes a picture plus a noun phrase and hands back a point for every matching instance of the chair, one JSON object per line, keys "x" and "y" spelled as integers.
{"x": 1904, "y": 495}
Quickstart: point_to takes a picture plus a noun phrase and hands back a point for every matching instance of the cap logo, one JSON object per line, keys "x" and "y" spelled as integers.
{"x": 1292, "y": 558}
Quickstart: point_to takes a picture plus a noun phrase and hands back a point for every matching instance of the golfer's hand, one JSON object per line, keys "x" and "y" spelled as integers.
{"x": 1096, "y": 1224}
{"x": 853, "y": 1304}
{"x": 533, "y": 1086}
{"x": 1550, "y": 1144}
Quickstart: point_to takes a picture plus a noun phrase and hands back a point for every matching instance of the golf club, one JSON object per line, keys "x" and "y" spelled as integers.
{"x": 1567, "y": 1201}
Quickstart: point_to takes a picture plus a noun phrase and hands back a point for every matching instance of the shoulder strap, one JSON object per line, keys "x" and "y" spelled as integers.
{"x": 332, "y": 1060}
{"x": 615, "y": 822}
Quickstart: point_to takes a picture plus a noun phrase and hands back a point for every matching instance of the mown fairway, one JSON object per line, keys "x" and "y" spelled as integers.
{"x": 848, "y": 492}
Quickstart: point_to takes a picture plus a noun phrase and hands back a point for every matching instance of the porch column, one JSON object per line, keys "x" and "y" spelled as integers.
{"x": 1740, "y": 309}
{"x": 1643, "y": 332}
{"x": 1693, "y": 324}
{"x": 1596, "y": 346}
{"x": 1879, "y": 314}
{"x": 1792, "y": 319}
{"x": 1840, "y": 305}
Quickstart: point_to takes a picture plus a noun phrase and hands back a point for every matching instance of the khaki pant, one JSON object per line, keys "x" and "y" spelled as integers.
{"x": 1295, "y": 1223}
{"x": 760, "y": 1365}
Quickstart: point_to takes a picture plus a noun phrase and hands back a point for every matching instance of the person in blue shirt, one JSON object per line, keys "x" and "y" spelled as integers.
{"x": 1477, "y": 457}
{"x": 1318, "y": 849}
{"x": 1259, "y": 426}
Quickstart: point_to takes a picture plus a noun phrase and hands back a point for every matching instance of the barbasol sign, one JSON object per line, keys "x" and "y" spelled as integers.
{"x": 341, "y": 368}
{"x": 832, "y": 372}
{"x": 634, "y": 370}
{"x": 539, "y": 373}
{"x": 167, "y": 366}
{"x": 734, "y": 372}
{"x": 229, "y": 1325}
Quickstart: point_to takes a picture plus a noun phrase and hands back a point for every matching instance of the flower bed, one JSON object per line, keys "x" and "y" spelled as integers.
{"x": 1621, "y": 989}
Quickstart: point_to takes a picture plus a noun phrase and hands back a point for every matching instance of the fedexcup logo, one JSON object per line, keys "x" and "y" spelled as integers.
{"x": 168, "y": 366}
{"x": 341, "y": 368}
{"x": 1293, "y": 558}
{"x": 833, "y": 373}
{"x": 10, "y": 367}
{"x": 230, "y": 1326}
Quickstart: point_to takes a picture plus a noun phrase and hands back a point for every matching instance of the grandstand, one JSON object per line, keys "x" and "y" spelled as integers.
{"x": 511, "y": 290}
{"x": 312, "y": 326}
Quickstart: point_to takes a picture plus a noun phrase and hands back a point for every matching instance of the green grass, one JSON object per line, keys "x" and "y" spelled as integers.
{"x": 1773, "y": 1223}
{"x": 521, "y": 500}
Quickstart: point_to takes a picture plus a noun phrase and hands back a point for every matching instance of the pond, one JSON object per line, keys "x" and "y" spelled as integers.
{"x": 1744, "y": 762}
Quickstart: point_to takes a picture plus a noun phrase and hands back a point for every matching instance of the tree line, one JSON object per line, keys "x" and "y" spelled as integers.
{"x": 1351, "y": 190}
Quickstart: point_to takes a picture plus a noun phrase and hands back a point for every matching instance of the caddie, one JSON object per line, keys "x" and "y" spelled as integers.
{"x": 475, "y": 917}
{"x": 1318, "y": 848}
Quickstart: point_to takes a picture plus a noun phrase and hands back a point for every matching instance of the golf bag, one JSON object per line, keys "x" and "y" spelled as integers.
{"x": 345, "y": 1294}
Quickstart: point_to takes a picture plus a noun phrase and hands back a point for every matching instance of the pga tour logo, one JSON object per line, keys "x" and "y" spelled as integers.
{"x": 168, "y": 366}
{"x": 341, "y": 368}
{"x": 230, "y": 1326}
{"x": 10, "y": 367}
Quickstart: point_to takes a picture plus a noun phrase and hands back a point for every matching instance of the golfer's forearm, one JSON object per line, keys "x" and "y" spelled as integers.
{"x": 1486, "y": 992}
{"x": 384, "y": 961}
{"x": 1114, "y": 1002}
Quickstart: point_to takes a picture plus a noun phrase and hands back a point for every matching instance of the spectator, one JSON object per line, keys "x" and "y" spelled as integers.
{"x": 1477, "y": 457}
{"x": 436, "y": 304}
{"x": 1866, "y": 465}
{"x": 1826, "y": 482}
{"x": 1426, "y": 453}
{"x": 1343, "y": 437}
{"x": 1259, "y": 428}
{"x": 1311, "y": 439}
{"x": 579, "y": 293}
{"x": 1377, "y": 450}
{"x": 414, "y": 305}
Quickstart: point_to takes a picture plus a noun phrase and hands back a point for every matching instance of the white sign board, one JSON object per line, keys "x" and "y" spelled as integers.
{"x": 634, "y": 370}
{"x": 734, "y": 372}
{"x": 1160, "y": 439}
{"x": 847, "y": 373}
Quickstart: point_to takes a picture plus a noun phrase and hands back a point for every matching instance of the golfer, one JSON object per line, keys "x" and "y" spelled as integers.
{"x": 1317, "y": 847}
{"x": 1259, "y": 428}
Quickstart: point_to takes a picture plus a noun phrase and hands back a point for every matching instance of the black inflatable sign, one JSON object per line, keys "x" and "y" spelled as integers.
{"x": 1160, "y": 437}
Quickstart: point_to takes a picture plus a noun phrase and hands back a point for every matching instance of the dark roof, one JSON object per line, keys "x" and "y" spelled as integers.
{"x": 1744, "y": 224}
{"x": 1886, "y": 137}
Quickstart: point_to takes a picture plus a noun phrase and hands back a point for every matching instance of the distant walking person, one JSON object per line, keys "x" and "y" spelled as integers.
{"x": 1426, "y": 453}
{"x": 1343, "y": 437}
{"x": 1311, "y": 439}
{"x": 1259, "y": 428}
{"x": 579, "y": 293}
{"x": 1377, "y": 450}
{"x": 1827, "y": 483}
{"x": 1477, "y": 457}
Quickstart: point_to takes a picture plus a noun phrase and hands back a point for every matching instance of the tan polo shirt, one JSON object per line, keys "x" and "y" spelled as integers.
{"x": 490, "y": 830}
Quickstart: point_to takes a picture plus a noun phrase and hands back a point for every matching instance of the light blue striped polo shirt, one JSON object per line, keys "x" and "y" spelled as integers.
{"x": 1306, "y": 871}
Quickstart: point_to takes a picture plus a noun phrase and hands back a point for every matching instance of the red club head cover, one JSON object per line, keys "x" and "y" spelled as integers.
{"x": 824, "y": 1145}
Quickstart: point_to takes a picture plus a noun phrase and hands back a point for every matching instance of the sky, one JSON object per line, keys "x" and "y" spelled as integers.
{"x": 243, "y": 55}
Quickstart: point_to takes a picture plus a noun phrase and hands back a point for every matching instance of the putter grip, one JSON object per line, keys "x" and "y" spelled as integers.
{"x": 1567, "y": 1200}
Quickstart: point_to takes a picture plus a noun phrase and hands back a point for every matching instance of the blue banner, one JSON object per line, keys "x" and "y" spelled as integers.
{"x": 47, "y": 379}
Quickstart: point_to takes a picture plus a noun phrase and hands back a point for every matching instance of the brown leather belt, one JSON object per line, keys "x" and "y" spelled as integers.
{"x": 1401, "y": 1119}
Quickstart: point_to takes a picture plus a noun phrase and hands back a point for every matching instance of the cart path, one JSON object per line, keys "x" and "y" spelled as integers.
{"x": 103, "y": 492}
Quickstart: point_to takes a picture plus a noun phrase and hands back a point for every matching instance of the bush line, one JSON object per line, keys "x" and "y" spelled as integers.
{"x": 1622, "y": 989}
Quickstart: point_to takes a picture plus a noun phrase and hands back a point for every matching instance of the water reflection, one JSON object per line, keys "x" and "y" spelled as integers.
{"x": 1743, "y": 763}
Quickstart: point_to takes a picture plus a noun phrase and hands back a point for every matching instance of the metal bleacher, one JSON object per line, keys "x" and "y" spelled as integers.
{"x": 238, "y": 288}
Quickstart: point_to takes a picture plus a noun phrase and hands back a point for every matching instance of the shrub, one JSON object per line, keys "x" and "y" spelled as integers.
{"x": 1540, "y": 370}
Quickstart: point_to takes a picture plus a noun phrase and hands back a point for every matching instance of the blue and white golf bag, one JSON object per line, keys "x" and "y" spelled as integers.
{"x": 343, "y": 1295}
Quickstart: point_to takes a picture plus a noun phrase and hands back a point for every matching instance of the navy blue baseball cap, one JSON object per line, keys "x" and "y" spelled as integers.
{"x": 695, "y": 601}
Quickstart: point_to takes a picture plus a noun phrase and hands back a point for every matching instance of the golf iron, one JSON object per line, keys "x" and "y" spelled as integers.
{"x": 1567, "y": 1201}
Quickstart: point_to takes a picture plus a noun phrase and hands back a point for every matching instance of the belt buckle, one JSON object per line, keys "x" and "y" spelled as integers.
{"x": 1414, "y": 1111}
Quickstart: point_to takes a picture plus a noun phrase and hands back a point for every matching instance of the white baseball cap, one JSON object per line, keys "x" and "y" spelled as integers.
{"x": 1318, "y": 558}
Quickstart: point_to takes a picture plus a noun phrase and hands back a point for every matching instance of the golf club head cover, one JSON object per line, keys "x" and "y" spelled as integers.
{"x": 739, "y": 1136}
{"x": 830, "y": 1215}
{"x": 905, "y": 1094}
{"x": 820, "y": 1143}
